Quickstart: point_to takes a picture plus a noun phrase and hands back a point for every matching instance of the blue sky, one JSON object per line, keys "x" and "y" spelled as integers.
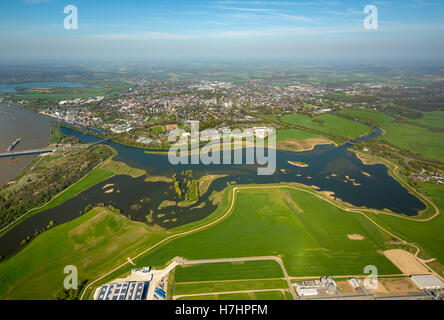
{"x": 196, "y": 29}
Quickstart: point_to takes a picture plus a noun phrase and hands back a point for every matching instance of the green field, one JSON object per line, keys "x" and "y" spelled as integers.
{"x": 330, "y": 124}
{"x": 210, "y": 287}
{"x": 267, "y": 295}
{"x": 434, "y": 119}
{"x": 409, "y": 137}
{"x": 229, "y": 271}
{"x": 295, "y": 134}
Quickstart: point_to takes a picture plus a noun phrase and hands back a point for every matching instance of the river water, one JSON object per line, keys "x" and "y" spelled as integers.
{"x": 32, "y": 127}
{"x": 328, "y": 169}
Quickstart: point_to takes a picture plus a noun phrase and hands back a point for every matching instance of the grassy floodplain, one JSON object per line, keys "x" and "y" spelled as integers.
{"x": 311, "y": 243}
{"x": 409, "y": 137}
{"x": 330, "y": 124}
{"x": 310, "y": 238}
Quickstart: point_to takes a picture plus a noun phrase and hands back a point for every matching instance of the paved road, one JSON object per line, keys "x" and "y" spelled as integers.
{"x": 25, "y": 153}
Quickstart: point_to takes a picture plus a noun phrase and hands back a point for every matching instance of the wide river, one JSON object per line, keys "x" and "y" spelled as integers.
{"x": 334, "y": 169}
{"x": 32, "y": 127}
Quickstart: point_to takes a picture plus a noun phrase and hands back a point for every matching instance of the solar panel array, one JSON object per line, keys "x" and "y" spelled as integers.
{"x": 130, "y": 290}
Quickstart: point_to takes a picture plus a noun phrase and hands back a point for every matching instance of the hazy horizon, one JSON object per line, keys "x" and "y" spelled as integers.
{"x": 408, "y": 31}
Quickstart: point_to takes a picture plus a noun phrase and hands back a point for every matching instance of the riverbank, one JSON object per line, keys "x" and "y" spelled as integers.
{"x": 430, "y": 212}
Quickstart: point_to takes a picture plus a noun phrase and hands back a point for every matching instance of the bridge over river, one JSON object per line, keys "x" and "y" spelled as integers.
{"x": 25, "y": 153}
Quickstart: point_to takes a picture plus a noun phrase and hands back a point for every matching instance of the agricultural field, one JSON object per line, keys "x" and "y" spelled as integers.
{"x": 228, "y": 286}
{"x": 263, "y": 295}
{"x": 229, "y": 271}
{"x": 330, "y": 124}
{"x": 409, "y": 137}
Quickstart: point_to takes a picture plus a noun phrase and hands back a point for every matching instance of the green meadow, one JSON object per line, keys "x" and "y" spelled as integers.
{"x": 434, "y": 119}
{"x": 229, "y": 271}
{"x": 330, "y": 124}
{"x": 409, "y": 137}
{"x": 295, "y": 134}
{"x": 266, "y": 295}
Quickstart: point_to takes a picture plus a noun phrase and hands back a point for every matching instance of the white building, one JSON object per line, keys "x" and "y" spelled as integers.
{"x": 303, "y": 292}
{"x": 428, "y": 282}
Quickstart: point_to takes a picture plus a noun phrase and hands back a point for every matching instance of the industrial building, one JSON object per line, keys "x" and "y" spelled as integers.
{"x": 428, "y": 282}
{"x": 134, "y": 287}
{"x": 303, "y": 292}
{"x": 312, "y": 287}
{"x": 130, "y": 290}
